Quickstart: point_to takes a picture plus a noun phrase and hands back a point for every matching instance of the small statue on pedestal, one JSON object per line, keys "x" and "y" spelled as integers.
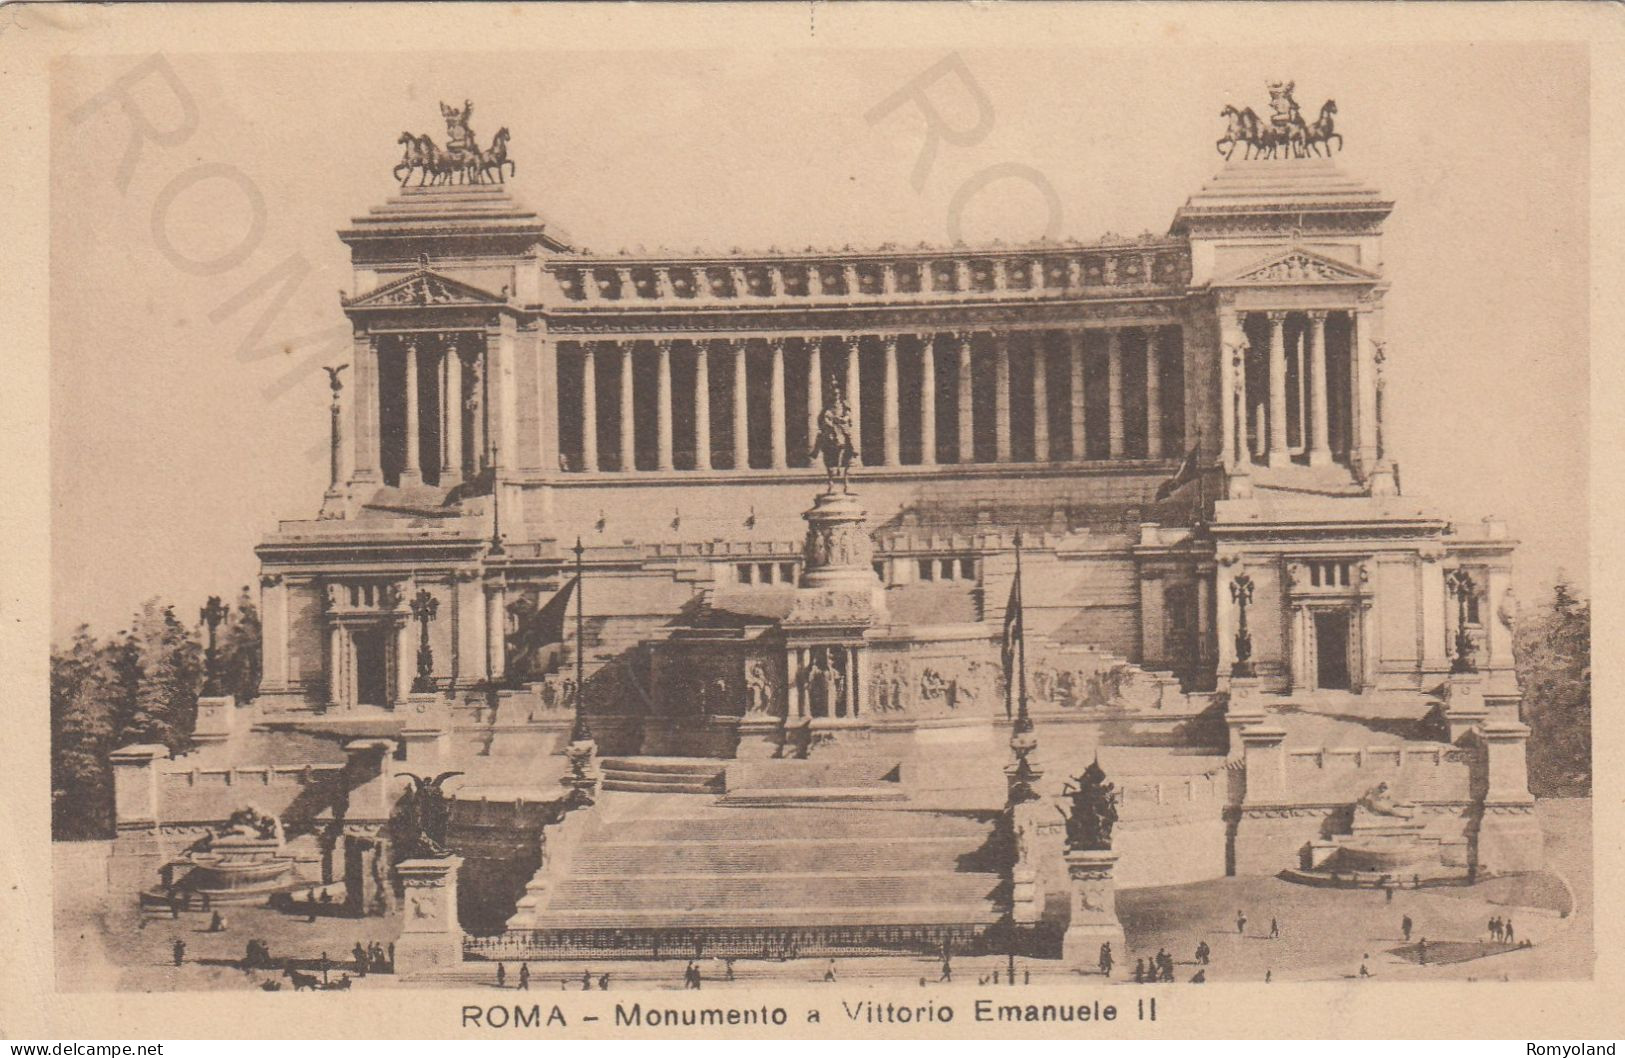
{"x": 427, "y": 813}
{"x": 1093, "y": 811}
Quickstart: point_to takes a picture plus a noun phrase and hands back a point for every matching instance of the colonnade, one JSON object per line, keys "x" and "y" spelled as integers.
{"x": 1292, "y": 375}
{"x": 802, "y": 370}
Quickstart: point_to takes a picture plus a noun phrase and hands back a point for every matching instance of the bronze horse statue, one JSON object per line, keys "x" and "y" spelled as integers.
{"x": 1289, "y": 137}
{"x": 834, "y": 442}
{"x": 495, "y": 158}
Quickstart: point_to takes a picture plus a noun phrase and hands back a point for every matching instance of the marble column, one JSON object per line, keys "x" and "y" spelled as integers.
{"x": 476, "y": 415}
{"x": 891, "y": 432}
{"x": 364, "y": 407}
{"x": 965, "y": 398}
{"x": 1153, "y": 393}
{"x": 451, "y": 399}
{"x": 1114, "y": 391}
{"x": 928, "y": 399}
{"x": 1314, "y": 367}
{"x": 741, "y": 407}
{"x": 815, "y": 387}
{"x": 335, "y": 665}
{"x": 496, "y": 630}
{"x": 629, "y": 459}
{"x": 854, "y": 392}
{"x": 663, "y": 404}
{"x": 411, "y": 474}
{"x": 775, "y": 399}
{"x": 1041, "y": 453}
{"x": 589, "y": 408}
{"x": 1278, "y": 453}
{"x": 1001, "y": 397}
{"x": 1364, "y": 344}
{"x": 1231, "y": 341}
{"x": 405, "y": 655}
{"x": 702, "y": 405}
{"x": 1080, "y": 434}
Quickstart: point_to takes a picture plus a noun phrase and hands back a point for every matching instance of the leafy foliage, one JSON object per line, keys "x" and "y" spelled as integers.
{"x": 139, "y": 686}
{"x": 1552, "y": 647}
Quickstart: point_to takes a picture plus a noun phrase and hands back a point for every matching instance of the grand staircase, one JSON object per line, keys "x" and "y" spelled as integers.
{"x": 685, "y": 865}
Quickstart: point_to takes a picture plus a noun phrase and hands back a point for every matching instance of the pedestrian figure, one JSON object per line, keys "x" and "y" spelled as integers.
{"x": 1506, "y": 932}
{"x": 1388, "y": 893}
{"x": 995, "y": 977}
{"x": 391, "y": 956}
{"x": 1275, "y": 930}
{"x": 586, "y": 980}
{"x": 216, "y": 923}
{"x": 603, "y": 982}
{"x": 829, "y": 974}
{"x": 1416, "y": 881}
{"x": 1267, "y": 975}
{"x": 698, "y": 978}
{"x": 947, "y": 966}
{"x": 1363, "y": 971}
{"x": 326, "y": 964}
{"x": 524, "y": 975}
{"x": 1241, "y": 921}
{"x": 179, "y": 951}
{"x": 1495, "y": 928}
{"x": 1422, "y": 951}
{"x": 502, "y": 976}
{"x": 1027, "y": 976}
{"x": 174, "y": 906}
{"x": 728, "y": 963}
{"x": 1139, "y": 971}
{"x": 1199, "y": 977}
{"x": 1106, "y": 958}
{"x": 310, "y": 906}
{"x": 1405, "y": 925}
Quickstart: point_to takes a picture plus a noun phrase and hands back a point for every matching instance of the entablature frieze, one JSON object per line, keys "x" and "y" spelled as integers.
{"x": 860, "y": 321}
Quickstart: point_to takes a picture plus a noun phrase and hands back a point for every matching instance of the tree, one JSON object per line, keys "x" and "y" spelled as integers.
{"x": 1552, "y": 648}
{"x": 239, "y": 649}
{"x": 165, "y": 664}
{"x": 88, "y": 693}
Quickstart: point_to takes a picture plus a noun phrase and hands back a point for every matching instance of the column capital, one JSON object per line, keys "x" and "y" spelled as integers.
{"x": 852, "y": 341}
{"x": 664, "y": 344}
{"x": 1277, "y": 315}
{"x": 1318, "y": 315}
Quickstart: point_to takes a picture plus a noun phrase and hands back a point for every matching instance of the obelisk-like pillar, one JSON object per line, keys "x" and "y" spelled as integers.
{"x": 411, "y": 473}
{"x": 589, "y": 408}
{"x": 702, "y": 405}
{"x": 1278, "y": 453}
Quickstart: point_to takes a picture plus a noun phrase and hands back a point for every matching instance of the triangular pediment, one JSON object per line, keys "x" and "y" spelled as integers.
{"x": 424, "y": 289}
{"x": 1298, "y": 265}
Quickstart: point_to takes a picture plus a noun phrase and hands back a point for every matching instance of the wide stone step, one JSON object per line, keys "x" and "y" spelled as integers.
{"x": 710, "y": 892}
{"x": 697, "y": 766}
{"x": 770, "y": 857}
{"x": 651, "y": 782}
{"x": 744, "y": 824}
{"x": 804, "y": 914}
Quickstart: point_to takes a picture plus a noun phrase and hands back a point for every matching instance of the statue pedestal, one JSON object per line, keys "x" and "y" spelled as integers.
{"x": 1245, "y": 709}
{"x": 1464, "y": 708}
{"x": 431, "y": 938}
{"x": 216, "y": 716}
{"x": 1094, "y": 910}
{"x": 760, "y": 738}
{"x": 838, "y": 554}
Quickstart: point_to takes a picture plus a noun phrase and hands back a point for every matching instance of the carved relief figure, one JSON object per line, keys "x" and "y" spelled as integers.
{"x": 760, "y": 690}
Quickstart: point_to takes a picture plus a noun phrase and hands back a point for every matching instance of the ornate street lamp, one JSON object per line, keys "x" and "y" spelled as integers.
{"x": 212, "y": 615}
{"x": 1241, "y": 593}
{"x": 424, "y": 608}
{"x": 1460, "y": 584}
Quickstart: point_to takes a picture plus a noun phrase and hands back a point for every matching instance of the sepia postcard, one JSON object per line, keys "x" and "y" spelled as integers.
{"x": 769, "y": 521}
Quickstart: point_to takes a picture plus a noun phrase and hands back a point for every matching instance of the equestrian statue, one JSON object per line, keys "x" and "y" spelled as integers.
{"x": 1285, "y": 134}
{"x": 834, "y": 443}
{"x": 461, "y": 161}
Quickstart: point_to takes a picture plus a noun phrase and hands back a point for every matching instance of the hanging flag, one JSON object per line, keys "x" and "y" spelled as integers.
{"x": 1187, "y": 473}
{"x": 1013, "y": 633}
{"x": 538, "y": 629}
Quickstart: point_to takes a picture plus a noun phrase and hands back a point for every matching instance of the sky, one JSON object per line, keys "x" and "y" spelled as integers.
{"x": 173, "y": 453}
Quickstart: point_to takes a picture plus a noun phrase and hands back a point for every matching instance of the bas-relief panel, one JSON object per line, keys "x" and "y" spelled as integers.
{"x": 921, "y": 685}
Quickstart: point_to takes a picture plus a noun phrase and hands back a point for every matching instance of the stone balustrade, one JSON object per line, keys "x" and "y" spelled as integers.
{"x": 1042, "y": 272}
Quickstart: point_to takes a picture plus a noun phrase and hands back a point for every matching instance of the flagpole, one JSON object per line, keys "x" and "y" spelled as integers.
{"x": 581, "y": 732}
{"x": 1023, "y": 721}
